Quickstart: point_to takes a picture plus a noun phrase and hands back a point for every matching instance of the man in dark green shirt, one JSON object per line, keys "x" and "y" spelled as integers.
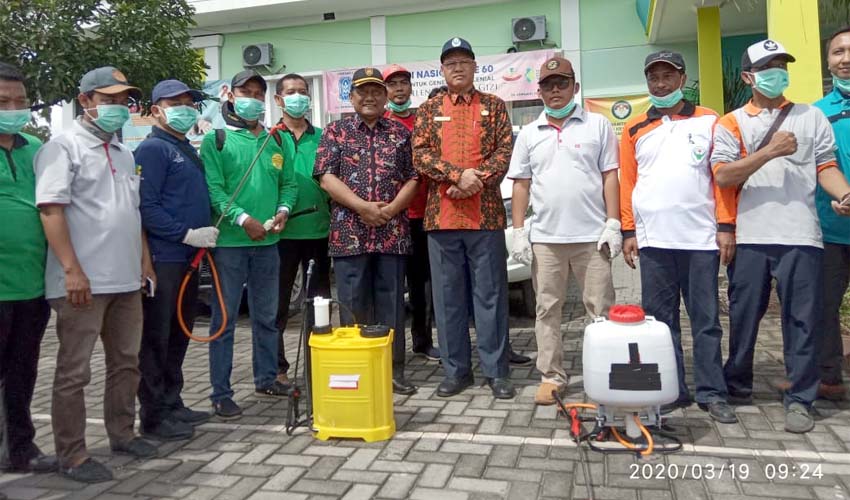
{"x": 306, "y": 237}
{"x": 246, "y": 250}
{"x": 23, "y": 310}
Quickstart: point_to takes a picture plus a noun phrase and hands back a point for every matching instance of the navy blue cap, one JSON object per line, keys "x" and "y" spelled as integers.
{"x": 174, "y": 88}
{"x": 456, "y": 43}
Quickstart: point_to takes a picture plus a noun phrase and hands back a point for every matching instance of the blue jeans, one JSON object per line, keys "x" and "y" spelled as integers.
{"x": 799, "y": 280}
{"x": 259, "y": 268}
{"x": 664, "y": 276}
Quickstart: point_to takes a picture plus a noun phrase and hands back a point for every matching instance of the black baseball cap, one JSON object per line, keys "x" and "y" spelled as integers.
{"x": 674, "y": 59}
{"x": 243, "y": 77}
{"x": 456, "y": 43}
{"x": 172, "y": 88}
{"x": 367, "y": 75}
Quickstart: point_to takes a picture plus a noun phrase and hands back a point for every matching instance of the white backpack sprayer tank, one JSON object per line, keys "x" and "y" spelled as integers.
{"x": 629, "y": 369}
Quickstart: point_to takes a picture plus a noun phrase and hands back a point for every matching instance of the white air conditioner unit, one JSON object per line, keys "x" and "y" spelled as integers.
{"x": 528, "y": 29}
{"x": 258, "y": 54}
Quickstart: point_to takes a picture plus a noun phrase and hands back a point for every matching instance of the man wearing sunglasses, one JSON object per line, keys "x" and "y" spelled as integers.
{"x": 566, "y": 164}
{"x": 87, "y": 189}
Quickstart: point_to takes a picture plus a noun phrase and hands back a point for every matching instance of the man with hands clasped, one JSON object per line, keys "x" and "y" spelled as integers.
{"x": 566, "y": 163}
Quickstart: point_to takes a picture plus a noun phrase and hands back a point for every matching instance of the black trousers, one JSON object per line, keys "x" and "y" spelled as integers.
{"x": 164, "y": 344}
{"x": 295, "y": 253}
{"x": 419, "y": 288}
{"x": 22, "y": 325}
{"x": 836, "y": 275}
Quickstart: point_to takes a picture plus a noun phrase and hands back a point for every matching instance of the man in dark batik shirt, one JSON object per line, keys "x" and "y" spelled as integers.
{"x": 364, "y": 163}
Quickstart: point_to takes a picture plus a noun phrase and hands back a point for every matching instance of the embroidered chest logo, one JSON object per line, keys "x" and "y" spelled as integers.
{"x": 277, "y": 161}
{"x": 698, "y": 153}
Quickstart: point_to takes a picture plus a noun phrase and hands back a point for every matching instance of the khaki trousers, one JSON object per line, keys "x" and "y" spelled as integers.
{"x": 549, "y": 273}
{"x": 117, "y": 320}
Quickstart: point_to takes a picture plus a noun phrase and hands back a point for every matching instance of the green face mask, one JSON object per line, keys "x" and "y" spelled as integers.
{"x": 296, "y": 105}
{"x": 667, "y": 101}
{"x": 560, "y": 113}
{"x": 13, "y": 121}
{"x": 249, "y": 108}
{"x": 111, "y": 117}
{"x": 842, "y": 85}
{"x": 399, "y": 108}
{"x": 181, "y": 118}
{"x": 771, "y": 82}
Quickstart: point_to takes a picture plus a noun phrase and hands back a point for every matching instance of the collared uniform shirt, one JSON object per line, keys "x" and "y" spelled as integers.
{"x": 454, "y": 132}
{"x": 565, "y": 167}
{"x": 836, "y": 107}
{"x": 375, "y": 164}
{"x": 776, "y": 205}
{"x": 22, "y": 244}
{"x": 301, "y": 155}
{"x": 666, "y": 184}
{"x": 99, "y": 187}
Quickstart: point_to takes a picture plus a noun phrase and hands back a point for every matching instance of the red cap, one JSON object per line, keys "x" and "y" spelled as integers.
{"x": 392, "y": 69}
{"x": 626, "y": 313}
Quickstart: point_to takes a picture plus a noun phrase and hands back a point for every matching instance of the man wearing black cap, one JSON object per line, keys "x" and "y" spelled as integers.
{"x": 768, "y": 158}
{"x": 364, "y": 164}
{"x": 87, "y": 188}
{"x": 667, "y": 207}
{"x": 175, "y": 207}
{"x": 466, "y": 219}
{"x": 246, "y": 250}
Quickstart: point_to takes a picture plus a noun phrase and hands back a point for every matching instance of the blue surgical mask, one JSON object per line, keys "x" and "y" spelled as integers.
{"x": 842, "y": 85}
{"x": 111, "y": 117}
{"x": 667, "y": 101}
{"x": 771, "y": 82}
{"x": 296, "y": 105}
{"x": 399, "y": 108}
{"x": 248, "y": 108}
{"x": 181, "y": 118}
{"x": 560, "y": 113}
{"x": 13, "y": 121}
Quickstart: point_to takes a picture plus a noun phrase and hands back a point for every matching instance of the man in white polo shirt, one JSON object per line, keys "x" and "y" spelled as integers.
{"x": 668, "y": 214}
{"x": 87, "y": 189}
{"x": 566, "y": 160}
{"x": 768, "y": 159}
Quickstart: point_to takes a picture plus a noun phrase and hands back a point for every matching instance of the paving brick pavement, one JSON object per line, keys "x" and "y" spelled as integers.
{"x": 466, "y": 447}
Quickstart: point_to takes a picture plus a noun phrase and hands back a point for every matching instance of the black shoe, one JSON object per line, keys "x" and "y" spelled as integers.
{"x": 38, "y": 464}
{"x": 451, "y": 386}
{"x": 273, "y": 390}
{"x": 720, "y": 411}
{"x": 190, "y": 416}
{"x": 90, "y": 471}
{"x": 136, "y": 447}
{"x": 226, "y": 409}
{"x": 739, "y": 399}
{"x": 502, "y": 388}
{"x": 518, "y": 359}
{"x": 169, "y": 430}
{"x": 431, "y": 353}
{"x": 403, "y": 387}
{"x": 671, "y": 407}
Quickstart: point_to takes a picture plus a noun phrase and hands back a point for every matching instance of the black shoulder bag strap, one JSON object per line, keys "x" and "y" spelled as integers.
{"x": 783, "y": 113}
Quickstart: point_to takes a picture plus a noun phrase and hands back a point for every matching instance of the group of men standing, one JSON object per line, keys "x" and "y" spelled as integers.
{"x": 395, "y": 194}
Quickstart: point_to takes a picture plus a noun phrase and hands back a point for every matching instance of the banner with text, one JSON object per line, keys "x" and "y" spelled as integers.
{"x": 513, "y": 77}
{"x": 618, "y": 110}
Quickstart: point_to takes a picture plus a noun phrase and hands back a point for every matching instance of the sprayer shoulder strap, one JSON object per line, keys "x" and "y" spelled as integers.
{"x": 221, "y": 136}
{"x": 783, "y": 113}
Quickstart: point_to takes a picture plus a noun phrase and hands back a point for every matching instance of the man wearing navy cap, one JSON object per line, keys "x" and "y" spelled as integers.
{"x": 175, "y": 207}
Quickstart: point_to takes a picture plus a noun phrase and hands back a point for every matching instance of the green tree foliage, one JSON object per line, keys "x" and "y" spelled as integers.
{"x": 56, "y": 41}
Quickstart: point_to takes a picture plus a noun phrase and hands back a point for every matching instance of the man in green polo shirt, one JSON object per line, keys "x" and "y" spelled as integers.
{"x": 306, "y": 237}
{"x": 23, "y": 310}
{"x": 246, "y": 251}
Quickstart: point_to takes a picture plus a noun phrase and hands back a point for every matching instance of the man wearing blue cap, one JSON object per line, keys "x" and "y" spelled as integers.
{"x": 175, "y": 207}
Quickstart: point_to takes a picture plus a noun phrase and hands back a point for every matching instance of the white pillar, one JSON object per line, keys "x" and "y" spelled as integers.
{"x": 212, "y": 53}
{"x": 571, "y": 37}
{"x": 378, "y": 26}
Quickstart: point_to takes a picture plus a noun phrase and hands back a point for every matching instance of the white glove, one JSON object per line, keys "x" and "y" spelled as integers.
{"x": 203, "y": 237}
{"x": 612, "y": 236}
{"x": 521, "y": 246}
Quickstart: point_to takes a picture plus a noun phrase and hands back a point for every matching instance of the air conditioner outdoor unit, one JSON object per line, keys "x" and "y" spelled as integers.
{"x": 258, "y": 54}
{"x": 528, "y": 29}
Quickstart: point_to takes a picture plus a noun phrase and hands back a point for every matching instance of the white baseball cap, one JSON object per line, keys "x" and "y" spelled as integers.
{"x": 759, "y": 53}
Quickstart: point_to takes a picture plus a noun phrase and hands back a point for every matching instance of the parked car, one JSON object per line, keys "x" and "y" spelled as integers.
{"x": 519, "y": 274}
